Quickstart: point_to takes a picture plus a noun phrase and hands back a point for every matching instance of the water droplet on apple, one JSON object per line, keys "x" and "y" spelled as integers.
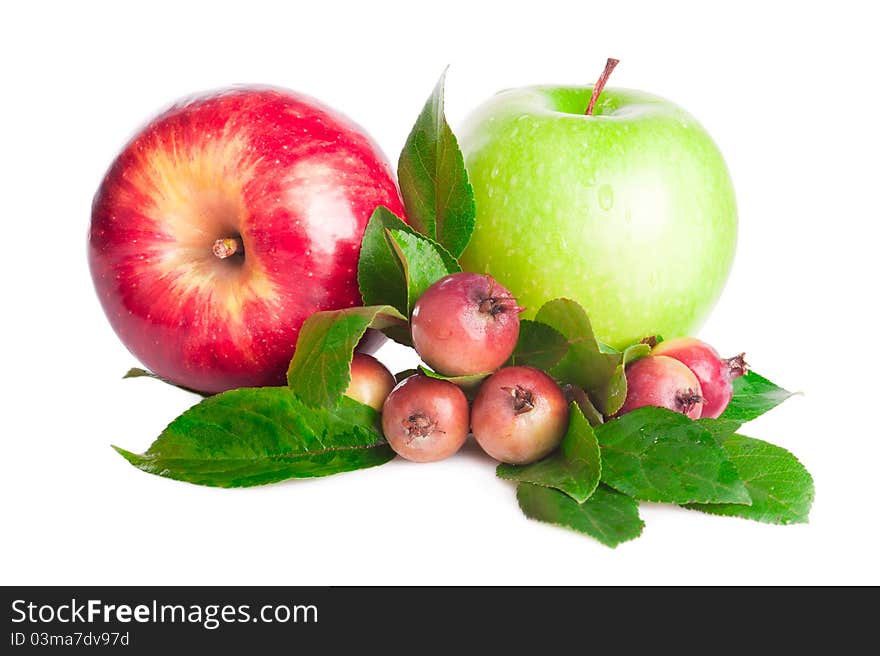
{"x": 606, "y": 197}
{"x": 494, "y": 173}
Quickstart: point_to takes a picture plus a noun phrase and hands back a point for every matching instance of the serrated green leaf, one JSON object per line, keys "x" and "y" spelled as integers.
{"x": 422, "y": 262}
{"x": 381, "y": 277}
{"x": 538, "y": 346}
{"x": 434, "y": 184}
{"x": 608, "y": 516}
{"x": 753, "y": 395}
{"x": 654, "y": 454}
{"x": 780, "y": 487}
{"x": 720, "y": 429}
{"x": 137, "y": 372}
{"x": 320, "y": 370}
{"x": 615, "y": 396}
{"x": 255, "y": 436}
{"x": 574, "y": 468}
{"x": 382, "y": 274}
{"x": 468, "y": 384}
{"x": 584, "y": 365}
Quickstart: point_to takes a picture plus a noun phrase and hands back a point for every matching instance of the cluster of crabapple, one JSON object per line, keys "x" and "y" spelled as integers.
{"x": 685, "y": 375}
{"x": 465, "y": 324}
{"x": 468, "y": 324}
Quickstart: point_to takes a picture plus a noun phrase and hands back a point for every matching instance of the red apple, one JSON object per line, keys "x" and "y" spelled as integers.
{"x": 224, "y": 223}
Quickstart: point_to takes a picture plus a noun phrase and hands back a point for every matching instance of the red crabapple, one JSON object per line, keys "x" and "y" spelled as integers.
{"x": 425, "y": 419}
{"x": 663, "y": 382}
{"x": 715, "y": 373}
{"x": 465, "y": 323}
{"x": 371, "y": 382}
{"x": 519, "y": 415}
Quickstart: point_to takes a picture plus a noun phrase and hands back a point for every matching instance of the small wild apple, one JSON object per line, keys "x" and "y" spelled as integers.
{"x": 425, "y": 419}
{"x": 520, "y": 415}
{"x": 662, "y": 382}
{"x": 371, "y": 382}
{"x": 465, "y": 323}
{"x": 715, "y": 373}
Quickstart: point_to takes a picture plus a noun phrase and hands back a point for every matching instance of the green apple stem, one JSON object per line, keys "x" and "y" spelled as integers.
{"x": 228, "y": 247}
{"x": 600, "y": 83}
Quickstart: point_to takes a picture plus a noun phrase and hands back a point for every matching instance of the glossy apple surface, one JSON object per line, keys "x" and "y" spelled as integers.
{"x": 630, "y": 211}
{"x": 288, "y": 182}
{"x": 370, "y": 382}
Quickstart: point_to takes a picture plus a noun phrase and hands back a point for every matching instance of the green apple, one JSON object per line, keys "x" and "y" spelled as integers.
{"x": 628, "y": 210}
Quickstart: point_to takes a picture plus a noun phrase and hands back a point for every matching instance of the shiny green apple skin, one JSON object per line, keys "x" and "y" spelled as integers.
{"x": 630, "y": 211}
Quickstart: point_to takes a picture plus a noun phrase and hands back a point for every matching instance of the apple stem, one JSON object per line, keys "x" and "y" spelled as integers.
{"x": 523, "y": 399}
{"x": 600, "y": 83}
{"x": 737, "y": 365}
{"x": 227, "y": 247}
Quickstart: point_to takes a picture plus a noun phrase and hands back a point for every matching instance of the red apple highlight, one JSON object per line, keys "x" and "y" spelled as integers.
{"x": 224, "y": 223}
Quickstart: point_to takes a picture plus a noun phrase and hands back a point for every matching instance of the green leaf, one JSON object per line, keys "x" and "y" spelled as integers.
{"x": 434, "y": 184}
{"x": 469, "y": 384}
{"x": 609, "y": 517}
{"x": 320, "y": 370}
{"x": 574, "y": 468}
{"x": 381, "y": 277}
{"x": 538, "y": 346}
{"x": 586, "y": 406}
{"x": 616, "y": 394}
{"x": 720, "y": 429}
{"x": 780, "y": 487}
{"x": 387, "y": 271}
{"x": 255, "y": 436}
{"x": 137, "y": 372}
{"x": 422, "y": 262}
{"x": 585, "y": 365}
{"x": 655, "y": 454}
{"x": 399, "y": 334}
{"x": 753, "y": 395}
{"x": 406, "y": 373}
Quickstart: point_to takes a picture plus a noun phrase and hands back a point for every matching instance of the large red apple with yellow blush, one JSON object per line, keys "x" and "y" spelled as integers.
{"x": 227, "y": 221}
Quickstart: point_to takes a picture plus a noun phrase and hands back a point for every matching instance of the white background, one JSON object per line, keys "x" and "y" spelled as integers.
{"x": 788, "y": 91}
